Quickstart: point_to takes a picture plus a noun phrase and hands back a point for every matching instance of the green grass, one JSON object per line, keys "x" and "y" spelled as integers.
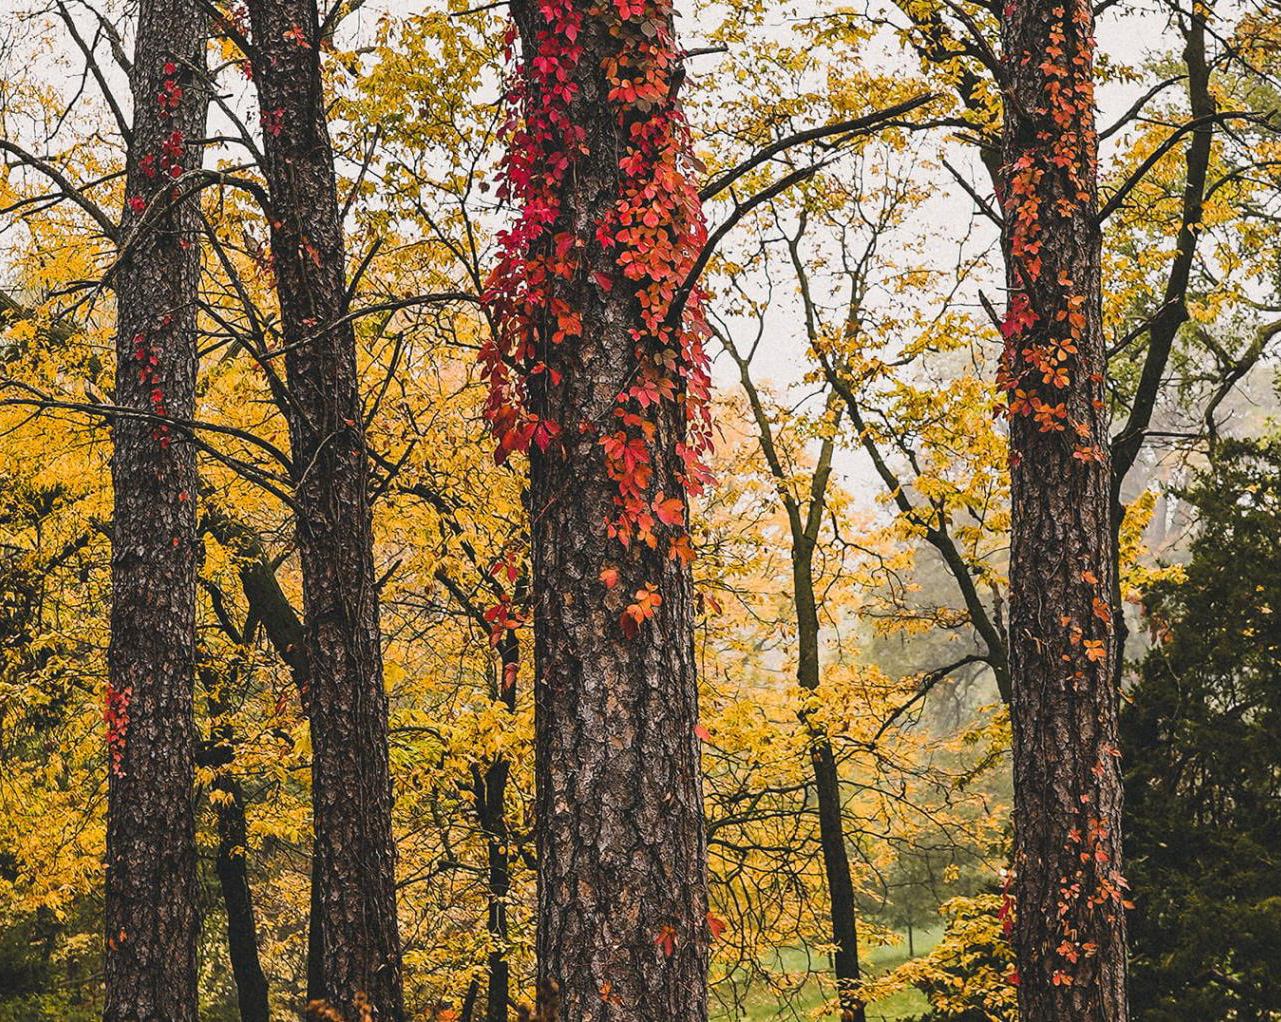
{"x": 763, "y": 1005}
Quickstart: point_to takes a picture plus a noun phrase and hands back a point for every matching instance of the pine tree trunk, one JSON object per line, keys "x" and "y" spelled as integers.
{"x": 354, "y": 896}
{"x": 621, "y": 849}
{"x": 152, "y": 922}
{"x": 827, "y": 787}
{"x": 1070, "y": 923}
{"x": 622, "y": 902}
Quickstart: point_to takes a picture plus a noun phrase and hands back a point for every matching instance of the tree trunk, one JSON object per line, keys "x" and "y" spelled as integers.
{"x": 152, "y": 923}
{"x": 354, "y": 896}
{"x": 827, "y": 786}
{"x": 233, "y": 837}
{"x": 237, "y": 899}
{"x": 1174, "y": 302}
{"x": 1069, "y": 932}
{"x": 622, "y": 901}
{"x": 491, "y": 808}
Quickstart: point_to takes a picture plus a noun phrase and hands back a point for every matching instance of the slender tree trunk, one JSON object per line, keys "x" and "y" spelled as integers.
{"x": 827, "y": 786}
{"x": 152, "y": 921}
{"x": 233, "y": 837}
{"x": 622, "y": 902}
{"x": 269, "y": 605}
{"x": 491, "y": 808}
{"x": 1174, "y": 302}
{"x": 1070, "y": 923}
{"x": 237, "y": 899}
{"x": 353, "y": 881}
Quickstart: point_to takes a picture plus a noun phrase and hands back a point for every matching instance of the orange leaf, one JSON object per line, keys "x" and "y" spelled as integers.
{"x": 670, "y": 511}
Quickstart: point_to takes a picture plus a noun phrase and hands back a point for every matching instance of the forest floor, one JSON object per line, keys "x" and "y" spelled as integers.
{"x": 763, "y": 1005}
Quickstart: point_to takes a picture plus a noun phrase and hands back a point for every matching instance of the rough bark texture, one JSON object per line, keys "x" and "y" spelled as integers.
{"x": 152, "y": 923}
{"x": 1069, "y": 932}
{"x": 622, "y": 931}
{"x": 354, "y": 897}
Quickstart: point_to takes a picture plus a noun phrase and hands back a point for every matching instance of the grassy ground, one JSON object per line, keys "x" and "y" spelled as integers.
{"x": 762, "y": 1005}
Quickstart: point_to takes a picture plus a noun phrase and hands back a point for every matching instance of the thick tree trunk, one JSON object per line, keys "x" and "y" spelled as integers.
{"x": 152, "y": 921}
{"x": 1070, "y": 922}
{"x": 354, "y": 896}
{"x": 827, "y": 786}
{"x": 622, "y": 899}
{"x": 622, "y": 903}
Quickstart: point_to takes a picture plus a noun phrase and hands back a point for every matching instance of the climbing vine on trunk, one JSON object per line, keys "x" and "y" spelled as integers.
{"x": 1069, "y": 921}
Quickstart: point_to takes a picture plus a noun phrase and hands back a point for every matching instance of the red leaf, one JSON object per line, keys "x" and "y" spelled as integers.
{"x": 670, "y": 511}
{"x": 666, "y": 939}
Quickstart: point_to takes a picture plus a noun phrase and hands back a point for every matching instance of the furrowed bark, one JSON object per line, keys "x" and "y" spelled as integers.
{"x": 152, "y": 922}
{"x": 1069, "y": 931}
{"x": 622, "y": 903}
{"x": 353, "y": 878}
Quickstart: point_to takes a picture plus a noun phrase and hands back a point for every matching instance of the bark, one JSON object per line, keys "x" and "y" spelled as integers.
{"x": 152, "y": 922}
{"x": 354, "y": 898}
{"x": 1069, "y": 932}
{"x": 622, "y": 902}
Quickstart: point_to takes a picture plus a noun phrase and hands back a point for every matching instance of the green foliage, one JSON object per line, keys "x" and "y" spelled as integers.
{"x": 44, "y": 962}
{"x": 1202, "y": 737}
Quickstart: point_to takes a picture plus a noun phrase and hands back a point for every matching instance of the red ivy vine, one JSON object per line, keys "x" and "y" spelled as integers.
{"x": 654, "y": 231}
{"x": 1035, "y": 372}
